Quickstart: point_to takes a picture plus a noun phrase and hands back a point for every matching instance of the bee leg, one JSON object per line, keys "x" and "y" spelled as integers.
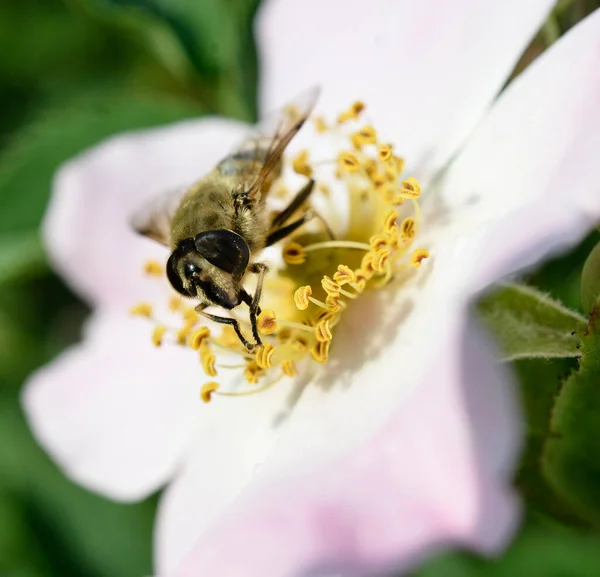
{"x": 289, "y": 229}
{"x": 259, "y": 269}
{"x": 227, "y": 321}
{"x": 294, "y": 205}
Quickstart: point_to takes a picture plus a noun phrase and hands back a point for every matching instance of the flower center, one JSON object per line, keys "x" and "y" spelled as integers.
{"x": 321, "y": 276}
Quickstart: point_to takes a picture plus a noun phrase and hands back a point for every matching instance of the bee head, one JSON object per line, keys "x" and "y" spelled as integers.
{"x": 210, "y": 267}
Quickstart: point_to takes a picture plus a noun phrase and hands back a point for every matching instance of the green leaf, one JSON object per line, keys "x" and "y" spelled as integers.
{"x": 590, "y": 280}
{"x": 529, "y": 324}
{"x": 571, "y": 459}
{"x": 540, "y": 550}
{"x": 29, "y": 163}
{"x": 21, "y": 256}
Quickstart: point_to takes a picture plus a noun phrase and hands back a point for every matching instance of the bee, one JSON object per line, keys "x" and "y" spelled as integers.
{"x": 216, "y": 227}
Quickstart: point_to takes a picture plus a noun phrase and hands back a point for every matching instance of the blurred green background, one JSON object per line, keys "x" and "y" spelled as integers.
{"x": 72, "y": 73}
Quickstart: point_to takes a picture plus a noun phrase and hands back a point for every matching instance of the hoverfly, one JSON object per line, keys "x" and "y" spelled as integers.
{"x": 215, "y": 227}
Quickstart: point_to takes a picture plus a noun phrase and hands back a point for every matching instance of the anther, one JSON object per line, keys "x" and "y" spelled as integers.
{"x": 320, "y": 125}
{"x": 267, "y": 322}
{"x": 207, "y": 390}
{"x": 288, "y": 368}
{"x": 349, "y": 162}
{"x": 174, "y": 303}
{"x": 197, "y": 337}
{"x": 153, "y": 268}
{"x": 141, "y": 310}
{"x": 301, "y": 297}
{"x": 379, "y": 259}
{"x": 418, "y": 256}
{"x": 330, "y": 286}
{"x": 366, "y": 135}
{"x": 399, "y": 162}
{"x": 320, "y": 352}
{"x": 377, "y": 242}
{"x": 301, "y": 165}
{"x": 333, "y": 304}
{"x": 251, "y": 373}
{"x": 293, "y": 253}
{"x": 344, "y": 275}
{"x": 389, "y": 220}
{"x": 410, "y": 188}
{"x": 157, "y": 335}
{"x": 384, "y": 153}
{"x": 352, "y": 113}
{"x": 322, "y": 331}
{"x": 408, "y": 228}
{"x": 182, "y": 336}
{"x": 207, "y": 359}
{"x": 264, "y": 355}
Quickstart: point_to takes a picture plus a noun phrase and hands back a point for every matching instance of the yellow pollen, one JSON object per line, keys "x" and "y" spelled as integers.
{"x": 418, "y": 256}
{"x": 348, "y": 161}
{"x": 410, "y": 188}
{"x": 267, "y": 322}
{"x": 141, "y": 310}
{"x": 293, "y": 253}
{"x": 157, "y": 335}
{"x": 301, "y": 164}
{"x": 197, "y": 337}
{"x": 207, "y": 359}
{"x": 207, "y": 390}
{"x": 330, "y": 286}
{"x": 301, "y": 297}
{"x": 408, "y": 228}
{"x": 385, "y": 152}
{"x": 380, "y": 259}
{"x": 153, "y": 268}
{"x": 264, "y": 355}
{"x": 322, "y": 331}
{"x": 344, "y": 275}
{"x": 288, "y": 368}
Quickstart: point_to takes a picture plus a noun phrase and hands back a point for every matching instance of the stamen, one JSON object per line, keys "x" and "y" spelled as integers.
{"x": 410, "y": 188}
{"x": 379, "y": 259}
{"x": 352, "y": 113}
{"x": 207, "y": 359}
{"x": 264, "y": 355}
{"x": 344, "y": 275}
{"x": 337, "y": 244}
{"x": 301, "y": 165}
{"x": 302, "y": 296}
{"x": 267, "y": 322}
{"x": 348, "y": 161}
{"x": 288, "y": 368}
{"x": 320, "y": 352}
{"x": 407, "y": 228}
{"x": 207, "y": 391}
{"x": 197, "y": 337}
{"x": 418, "y": 256}
{"x": 385, "y": 152}
{"x": 294, "y": 253}
{"x": 366, "y": 135}
{"x": 174, "y": 303}
{"x": 330, "y": 286}
{"x": 320, "y": 124}
{"x": 322, "y": 331}
{"x": 389, "y": 220}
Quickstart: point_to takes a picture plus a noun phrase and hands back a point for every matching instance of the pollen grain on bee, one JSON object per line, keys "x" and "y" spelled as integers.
{"x": 305, "y": 298}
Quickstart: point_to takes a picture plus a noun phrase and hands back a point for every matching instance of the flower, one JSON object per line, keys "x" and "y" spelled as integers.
{"x": 388, "y": 455}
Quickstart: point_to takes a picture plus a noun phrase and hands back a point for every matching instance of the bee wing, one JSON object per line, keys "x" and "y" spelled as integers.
{"x": 154, "y": 218}
{"x": 267, "y": 141}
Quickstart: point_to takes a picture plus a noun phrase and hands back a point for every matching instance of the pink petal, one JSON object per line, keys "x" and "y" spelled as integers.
{"x": 114, "y": 412}
{"x": 528, "y": 183}
{"x": 221, "y": 462}
{"x": 428, "y": 479}
{"x": 427, "y": 70}
{"x": 87, "y": 226}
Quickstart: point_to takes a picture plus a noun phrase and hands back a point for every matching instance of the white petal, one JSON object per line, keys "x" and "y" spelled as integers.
{"x": 528, "y": 183}
{"x": 87, "y": 228}
{"x": 427, "y": 69}
{"x": 115, "y": 412}
{"x": 222, "y": 460}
